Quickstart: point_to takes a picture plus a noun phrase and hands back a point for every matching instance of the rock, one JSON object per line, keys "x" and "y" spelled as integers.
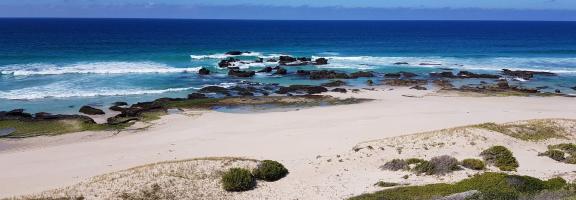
{"x": 91, "y": 110}
{"x": 341, "y": 90}
{"x": 400, "y": 74}
{"x": 303, "y": 72}
{"x": 309, "y": 89}
{"x": 141, "y": 107}
{"x": 502, "y": 84}
{"x": 227, "y": 62}
{"x": 244, "y": 91}
{"x": 467, "y": 74}
{"x": 16, "y": 114}
{"x": 117, "y": 108}
{"x": 442, "y": 75}
{"x": 430, "y": 64}
{"x": 369, "y": 82}
{"x": 286, "y": 59}
{"x": 419, "y": 87}
{"x": 361, "y": 74}
{"x": 196, "y": 95}
{"x": 271, "y": 60}
{"x": 321, "y": 61}
{"x": 557, "y": 91}
{"x": 281, "y": 71}
{"x": 204, "y": 71}
{"x": 215, "y": 89}
{"x": 327, "y": 74}
{"x": 525, "y": 74}
{"x": 235, "y": 53}
{"x": 120, "y": 103}
{"x": 335, "y": 83}
{"x": 304, "y": 59}
{"x": 43, "y": 116}
{"x": 443, "y": 83}
{"x": 401, "y": 63}
{"x": 265, "y": 70}
{"x": 405, "y": 82}
{"x": 574, "y": 88}
{"x": 259, "y": 60}
{"x": 120, "y": 120}
{"x": 242, "y": 74}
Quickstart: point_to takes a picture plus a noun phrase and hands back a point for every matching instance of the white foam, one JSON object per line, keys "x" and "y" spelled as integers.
{"x": 67, "y": 90}
{"x": 554, "y": 65}
{"x": 92, "y": 68}
{"x": 223, "y": 56}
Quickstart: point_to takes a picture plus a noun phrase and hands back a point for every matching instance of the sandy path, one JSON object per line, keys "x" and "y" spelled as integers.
{"x": 294, "y": 137}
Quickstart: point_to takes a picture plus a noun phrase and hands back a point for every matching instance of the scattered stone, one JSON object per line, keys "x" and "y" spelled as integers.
{"x": 204, "y": 71}
{"x": 91, "y": 110}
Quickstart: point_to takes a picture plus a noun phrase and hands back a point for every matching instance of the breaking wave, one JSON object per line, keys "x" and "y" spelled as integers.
{"x": 92, "y": 68}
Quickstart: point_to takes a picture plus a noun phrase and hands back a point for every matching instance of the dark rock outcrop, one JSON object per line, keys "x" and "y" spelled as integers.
{"x": 265, "y": 70}
{"x": 525, "y": 74}
{"x": 321, "y": 61}
{"x": 309, "y": 89}
{"x": 227, "y": 62}
{"x": 443, "y": 83}
{"x": 215, "y": 89}
{"x": 327, "y": 74}
{"x": 341, "y": 90}
{"x": 204, "y": 71}
{"x": 281, "y": 71}
{"x": 369, "y": 82}
{"x": 405, "y": 82}
{"x": 196, "y": 95}
{"x": 442, "y": 75}
{"x": 117, "y": 108}
{"x": 335, "y": 83}
{"x": 241, "y": 74}
{"x": 16, "y": 114}
{"x": 91, "y": 110}
{"x": 401, "y": 63}
{"x": 467, "y": 74}
{"x": 419, "y": 87}
{"x": 362, "y": 74}
{"x": 286, "y": 59}
{"x": 235, "y": 53}
{"x": 400, "y": 75}
{"x": 120, "y": 103}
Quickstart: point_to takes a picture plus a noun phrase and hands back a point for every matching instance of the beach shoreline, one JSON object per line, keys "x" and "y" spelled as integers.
{"x": 294, "y": 137}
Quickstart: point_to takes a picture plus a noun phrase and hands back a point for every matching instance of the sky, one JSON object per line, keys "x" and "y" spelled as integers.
{"x": 549, "y": 10}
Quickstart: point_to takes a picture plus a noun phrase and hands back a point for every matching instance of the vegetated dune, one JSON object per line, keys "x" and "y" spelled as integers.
{"x": 343, "y": 175}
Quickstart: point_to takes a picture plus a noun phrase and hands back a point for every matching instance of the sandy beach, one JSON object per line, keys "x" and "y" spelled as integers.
{"x": 298, "y": 138}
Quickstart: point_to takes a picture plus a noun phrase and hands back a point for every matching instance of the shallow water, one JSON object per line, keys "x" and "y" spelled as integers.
{"x": 58, "y": 65}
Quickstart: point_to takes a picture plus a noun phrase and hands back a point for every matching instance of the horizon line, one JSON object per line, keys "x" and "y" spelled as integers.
{"x": 257, "y": 19}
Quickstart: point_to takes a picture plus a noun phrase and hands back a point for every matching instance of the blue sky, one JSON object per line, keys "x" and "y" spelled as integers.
{"x": 297, "y": 9}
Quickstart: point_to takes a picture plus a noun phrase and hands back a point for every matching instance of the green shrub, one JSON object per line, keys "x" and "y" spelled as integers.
{"x": 556, "y": 155}
{"x": 270, "y": 170}
{"x": 444, "y": 164}
{"x": 424, "y": 168}
{"x": 395, "y": 165}
{"x": 474, "y": 164}
{"x": 500, "y": 157}
{"x": 495, "y": 194}
{"x": 566, "y": 147}
{"x": 570, "y": 159}
{"x": 238, "y": 179}
{"x": 555, "y": 183}
{"x": 525, "y": 184}
{"x": 411, "y": 161}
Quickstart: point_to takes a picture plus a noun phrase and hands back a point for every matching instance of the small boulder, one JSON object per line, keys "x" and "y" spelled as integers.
{"x": 321, "y": 61}
{"x": 215, "y": 89}
{"x": 419, "y": 87}
{"x": 265, "y": 70}
{"x": 341, "y": 90}
{"x": 120, "y": 103}
{"x": 196, "y": 95}
{"x": 361, "y": 74}
{"x": 234, "y": 53}
{"x": 91, "y": 110}
{"x": 241, "y": 74}
{"x": 335, "y": 83}
{"x": 401, "y": 63}
{"x": 204, "y": 71}
{"x": 309, "y": 89}
{"x": 281, "y": 71}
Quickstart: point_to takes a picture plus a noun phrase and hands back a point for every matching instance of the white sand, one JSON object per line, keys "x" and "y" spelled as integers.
{"x": 295, "y": 138}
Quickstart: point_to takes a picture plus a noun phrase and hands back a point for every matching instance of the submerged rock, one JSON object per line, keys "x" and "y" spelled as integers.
{"x": 401, "y": 63}
{"x": 362, "y": 74}
{"x": 265, "y": 70}
{"x": 227, "y": 62}
{"x": 215, "y": 89}
{"x": 120, "y": 103}
{"x": 321, "y": 61}
{"x": 16, "y": 114}
{"x": 400, "y": 75}
{"x": 91, "y": 110}
{"x": 324, "y": 74}
{"x": 281, "y": 71}
{"x": 235, "y": 53}
{"x": 462, "y": 74}
{"x": 204, "y": 71}
{"x": 405, "y": 82}
{"x": 196, "y": 95}
{"x": 341, "y": 90}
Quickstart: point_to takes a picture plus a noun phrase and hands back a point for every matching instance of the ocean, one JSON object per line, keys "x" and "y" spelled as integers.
{"x": 58, "y": 65}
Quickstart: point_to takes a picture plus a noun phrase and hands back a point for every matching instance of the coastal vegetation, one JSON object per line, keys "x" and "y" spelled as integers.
{"x": 439, "y": 165}
{"x": 474, "y": 164}
{"x": 238, "y": 180}
{"x": 535, "y": 130}
{"x": 488, "y": 186}
{"x": 24, "y": 129}
{"x": 565, "y": 152}
{"x": 500, "y": 157}
{"x": 270, "y": 170}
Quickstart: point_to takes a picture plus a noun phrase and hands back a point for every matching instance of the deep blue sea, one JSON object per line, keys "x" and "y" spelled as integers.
{"x": 57, "y": 65}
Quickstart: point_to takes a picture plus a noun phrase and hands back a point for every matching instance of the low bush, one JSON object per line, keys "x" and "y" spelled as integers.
{"x": 411, "y": 161}
{"x": 570, "y": 159}
{"x": 474, "y": 164}
{"x": 492, "y": 186}
{"x": 556, "y": 155}
{"x": 555, "y": 183}
{"x": 270, "y": 170}
{"x": 444, "y": 164}
{"x": 424, "y": 168}
{"x": 500, "y": 157}
{"x": 237, "y": 180}
{"x": 566, "y": 147}
{"x": 395, "y": 165}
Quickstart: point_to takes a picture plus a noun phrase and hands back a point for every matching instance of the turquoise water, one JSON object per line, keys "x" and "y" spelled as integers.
{"x": 57, "y": 65}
